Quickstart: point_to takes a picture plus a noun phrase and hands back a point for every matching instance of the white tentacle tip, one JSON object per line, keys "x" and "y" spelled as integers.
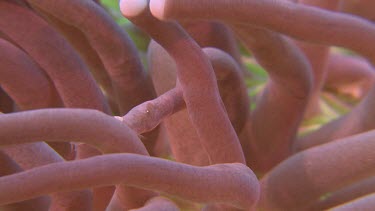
{"x": 132, "y": 8}
{"x": 157, "y": 8}
{"x": 119, "y": 118}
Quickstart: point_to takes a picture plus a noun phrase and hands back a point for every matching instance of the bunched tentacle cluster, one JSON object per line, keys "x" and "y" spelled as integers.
{"x": 90, "y": 122}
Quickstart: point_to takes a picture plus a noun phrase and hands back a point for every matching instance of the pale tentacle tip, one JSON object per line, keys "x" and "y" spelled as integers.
{"x": 132, "y": 8}
{"x": 119, "y": 118}
{"x": 157, "y": 8}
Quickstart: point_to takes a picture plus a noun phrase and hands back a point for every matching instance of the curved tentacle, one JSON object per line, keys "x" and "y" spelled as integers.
{"x": 71, "y": 77}
{"x": 33, "y": 155}
{"x": 346, "y": 194}
{"x": 302, "y": 179}
{"x": 81, "y": 125}
{"x": 214, "y": 34}
{"x": 366, "y": 203}
{"x": 232, "y": 184}
{"x": 363, "y": 8}
{"x": 88, "y": 54}
{"x": 148, "y": 115}
{"x": 8, "y": 167}
{"x": 349, "y": 72}
{"x": 281, "y": 106}
{"x": 338, "y": 29}
{"x": 118, "y": 54}
{"x": 158, "y": 203}
{"x": 184, "y": 141}
{"x": 198, "y": 85}
{"x": 56, "y": 125}
{"x": 350, "y": 32}
{"x": 317, "y": 56}
{"x": 37, "y": 91}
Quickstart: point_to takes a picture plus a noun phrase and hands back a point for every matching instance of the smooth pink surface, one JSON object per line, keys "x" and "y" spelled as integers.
{"x": 50, "y": 48}
{"x": 157, "y": 8}
{"x": 133, "y": 7}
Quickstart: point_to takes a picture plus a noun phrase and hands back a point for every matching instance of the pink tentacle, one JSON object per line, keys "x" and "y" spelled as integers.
{"x": 233, "y": 184}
